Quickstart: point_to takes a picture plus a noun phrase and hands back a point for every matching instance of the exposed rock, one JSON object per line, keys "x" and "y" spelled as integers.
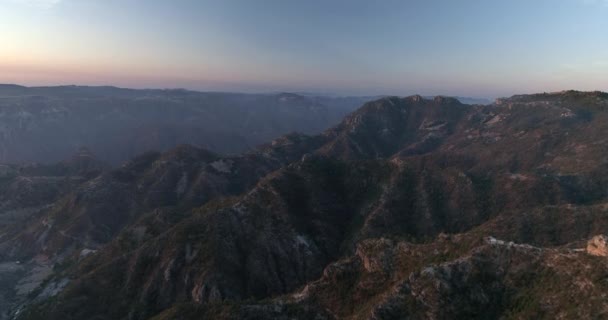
{"x": 598, "y": 246}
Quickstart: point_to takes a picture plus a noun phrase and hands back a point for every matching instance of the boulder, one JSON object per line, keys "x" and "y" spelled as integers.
{"x": 598, "y": 246}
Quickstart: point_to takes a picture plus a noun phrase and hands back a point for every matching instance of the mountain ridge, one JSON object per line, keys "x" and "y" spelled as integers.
{"x": 48, "y": 124}
{"x": 357, "y": 222}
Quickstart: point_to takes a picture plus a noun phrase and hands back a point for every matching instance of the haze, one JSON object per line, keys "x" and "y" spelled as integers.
{"x": 475, "y": 48}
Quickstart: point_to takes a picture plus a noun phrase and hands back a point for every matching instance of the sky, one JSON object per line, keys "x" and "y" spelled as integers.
{"x": 478, "y": 48}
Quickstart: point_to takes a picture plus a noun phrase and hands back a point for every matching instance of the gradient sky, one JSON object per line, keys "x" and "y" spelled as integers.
{"x": 482, "y": 48}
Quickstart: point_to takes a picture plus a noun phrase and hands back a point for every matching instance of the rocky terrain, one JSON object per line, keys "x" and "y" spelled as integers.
{"x": 48, "y": 124}
{"x": 410, "y": 208}
{"x": 28, "y": 191}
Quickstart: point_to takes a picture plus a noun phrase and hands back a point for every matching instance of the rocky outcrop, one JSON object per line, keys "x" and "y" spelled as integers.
{"x": 598, "y": 246}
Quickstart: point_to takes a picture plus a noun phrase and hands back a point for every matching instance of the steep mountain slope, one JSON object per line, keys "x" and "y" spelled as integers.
{"x": 391, "y": 214}
{"x": 183, "y": 178}
{"x": 47, "y": 124}
{"x": 153, "y": 187}
{"x": 28, "y": 191}
{"x": 381, "y": 128}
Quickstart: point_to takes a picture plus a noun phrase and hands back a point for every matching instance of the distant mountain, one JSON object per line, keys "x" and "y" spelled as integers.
{"x": 468, "y": 100}
{"x": 410, "y": 208}
{"x": 47, "y": 124}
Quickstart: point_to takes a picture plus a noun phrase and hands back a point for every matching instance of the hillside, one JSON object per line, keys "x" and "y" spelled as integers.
{"x": 409, "y": 208}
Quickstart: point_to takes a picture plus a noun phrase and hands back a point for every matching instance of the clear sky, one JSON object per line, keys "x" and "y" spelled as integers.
{"x": 483, "y": 48}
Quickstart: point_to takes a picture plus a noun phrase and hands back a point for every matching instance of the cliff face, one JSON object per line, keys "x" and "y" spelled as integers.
{"x": 410, "y": 208}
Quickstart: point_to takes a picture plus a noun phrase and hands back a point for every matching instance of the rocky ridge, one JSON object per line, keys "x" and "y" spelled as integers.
{"x": 410, "y": 208}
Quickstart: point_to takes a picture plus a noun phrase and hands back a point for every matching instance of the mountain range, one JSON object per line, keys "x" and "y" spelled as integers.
{"x": 409, "y": 208}
{"x": 49, "y": 124}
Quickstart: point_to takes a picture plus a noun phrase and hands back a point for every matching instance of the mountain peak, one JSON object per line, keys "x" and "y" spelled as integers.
{"x": 446, "y": 100}
{"x": 383, "y": 127}
{"x": 415, "y": 98}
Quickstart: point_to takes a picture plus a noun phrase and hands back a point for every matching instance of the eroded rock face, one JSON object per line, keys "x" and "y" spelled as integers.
{"x": 598, "y": 246}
